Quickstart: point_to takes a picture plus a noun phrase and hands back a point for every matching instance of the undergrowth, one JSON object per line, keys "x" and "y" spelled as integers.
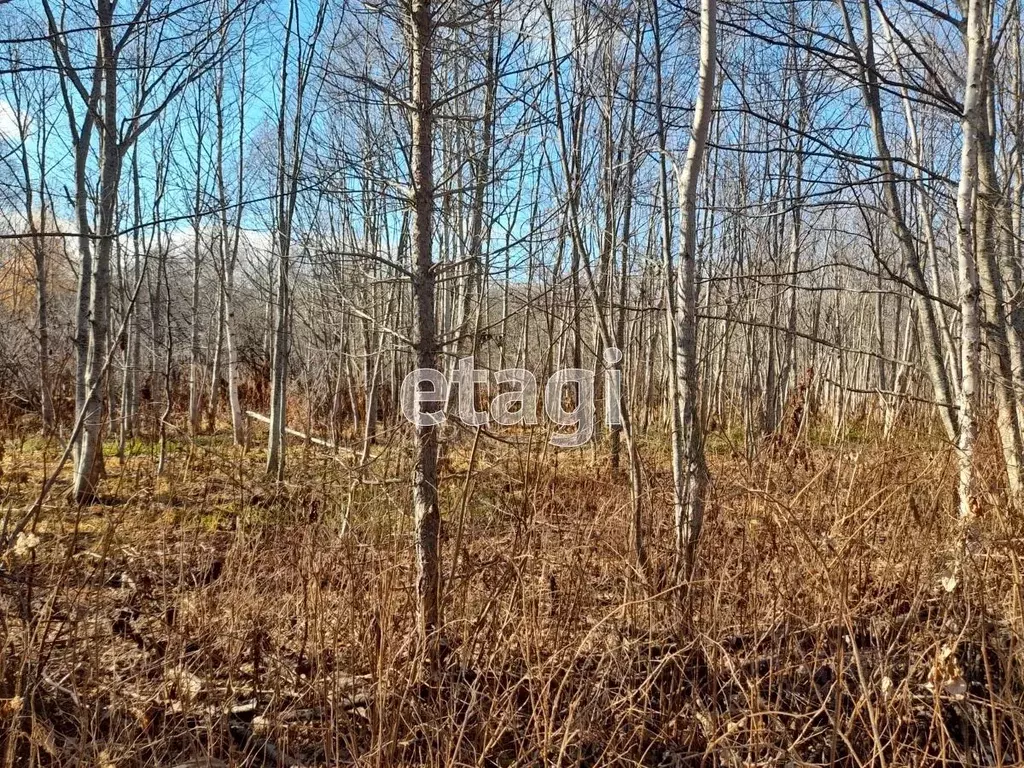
{"x": 209, "y": 617}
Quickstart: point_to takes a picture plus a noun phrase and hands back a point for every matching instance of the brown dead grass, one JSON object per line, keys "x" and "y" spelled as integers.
{"x": 210, "y": 616}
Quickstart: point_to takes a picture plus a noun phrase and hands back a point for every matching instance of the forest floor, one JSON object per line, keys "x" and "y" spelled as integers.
{"x": 208, "y": 617}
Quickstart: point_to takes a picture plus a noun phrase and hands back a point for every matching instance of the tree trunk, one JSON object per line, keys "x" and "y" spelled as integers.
{"x": 970, "y": 350}
{"x": 89, "y": 464}
{"x": 426, "y": 510}
{"x": 690, "y": 493}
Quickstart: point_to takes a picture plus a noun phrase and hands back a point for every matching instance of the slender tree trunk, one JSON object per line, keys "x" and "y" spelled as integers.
{"x": 468, "y": 308}
{"x": 426, "y": 509}
{"x": 89, "y": 465}
{"x": 279, "y": 364}
{"x": 216, "y": 365}
{"x": 37, "y": 241}
{"x": 970, "y": 355}
{"x": 674, "y": 413}
{"x": 168, "y": 361}
{"x": 230, "y": 237}
{"x": 195, "y": 372}
{"x": 614, "y": 447}
{"x": 689, "y": 495}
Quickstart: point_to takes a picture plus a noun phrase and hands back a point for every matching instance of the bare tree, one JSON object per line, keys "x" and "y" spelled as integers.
{"x": 974, "y": 121}
{"x": 292, "y": 135}
{"x": 426, "y": 508}
{"x": 692, "y": 476}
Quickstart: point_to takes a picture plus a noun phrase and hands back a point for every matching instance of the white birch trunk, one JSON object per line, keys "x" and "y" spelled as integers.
{"x": 689, "y": 496}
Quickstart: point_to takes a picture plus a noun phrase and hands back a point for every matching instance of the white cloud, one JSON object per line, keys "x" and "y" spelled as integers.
{"x": 8, "y": 121}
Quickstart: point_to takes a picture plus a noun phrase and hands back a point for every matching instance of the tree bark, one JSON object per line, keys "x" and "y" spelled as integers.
{"x": 690, "y": 493}
{"x": 970, "y": 354}
{"x": 426, "y": 509}
{"x": 89, "y": 464}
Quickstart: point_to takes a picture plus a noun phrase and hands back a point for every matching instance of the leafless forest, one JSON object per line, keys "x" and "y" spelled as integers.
{"x": 782, "y": 238}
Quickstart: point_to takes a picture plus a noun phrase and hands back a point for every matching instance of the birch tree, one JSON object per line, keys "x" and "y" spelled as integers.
{"x": 688, "y": 448}
{"x": 974, "y": 119}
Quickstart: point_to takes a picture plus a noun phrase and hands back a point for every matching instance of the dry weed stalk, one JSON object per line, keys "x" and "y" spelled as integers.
{"x": 203, "y": 616}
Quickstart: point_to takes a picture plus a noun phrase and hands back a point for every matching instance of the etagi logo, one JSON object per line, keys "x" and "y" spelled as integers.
{"x": 568, "y": 398}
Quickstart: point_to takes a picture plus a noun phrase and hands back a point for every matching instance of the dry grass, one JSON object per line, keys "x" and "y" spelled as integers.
{"x": 208, "y": 616}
